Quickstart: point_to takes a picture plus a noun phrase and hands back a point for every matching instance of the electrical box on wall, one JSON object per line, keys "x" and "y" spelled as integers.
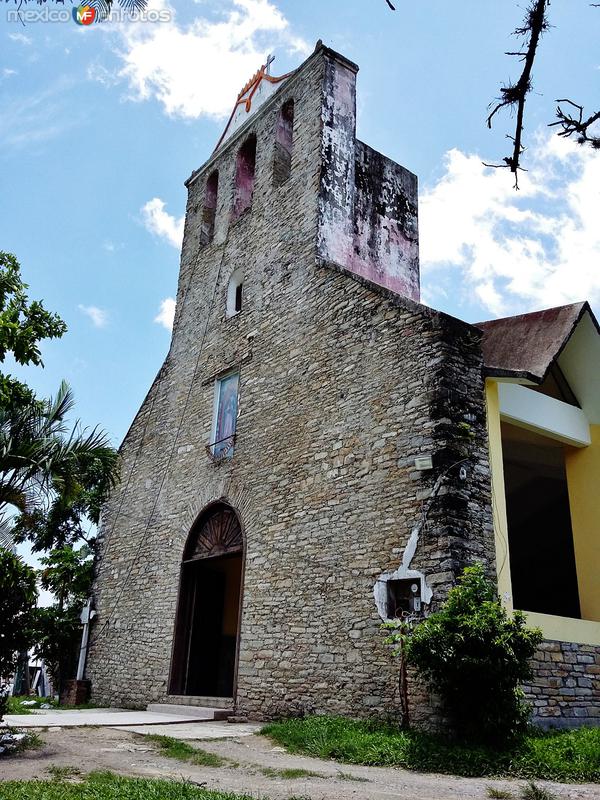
{"x": 403, "y": 597}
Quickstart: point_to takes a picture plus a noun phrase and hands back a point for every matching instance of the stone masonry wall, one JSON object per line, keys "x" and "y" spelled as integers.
{"x": 565, "y": 691}
{"x": 163, "y": 453}
{"x": 342, "y": 385}
{"x": 323, "y": 477}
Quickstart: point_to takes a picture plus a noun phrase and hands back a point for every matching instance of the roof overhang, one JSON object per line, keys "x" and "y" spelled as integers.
{"x": 522, "y": 349}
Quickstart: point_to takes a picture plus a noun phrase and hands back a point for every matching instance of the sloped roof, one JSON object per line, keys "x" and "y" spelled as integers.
{"x": 525, "y": 346}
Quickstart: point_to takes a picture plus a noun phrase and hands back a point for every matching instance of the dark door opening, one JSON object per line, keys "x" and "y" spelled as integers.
{"x": 207, "y": 624}
{"x": 540, "y": 536}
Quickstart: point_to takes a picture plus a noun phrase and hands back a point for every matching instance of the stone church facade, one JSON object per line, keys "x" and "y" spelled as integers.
{"x": 314, "y": 454}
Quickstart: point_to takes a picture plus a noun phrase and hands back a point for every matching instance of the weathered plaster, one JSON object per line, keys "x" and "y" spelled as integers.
{"x": 385, "y": 242}
{"x": 403, "y": 571}
{"x": 336, "y": 194}
{"x": 367, "y": 203}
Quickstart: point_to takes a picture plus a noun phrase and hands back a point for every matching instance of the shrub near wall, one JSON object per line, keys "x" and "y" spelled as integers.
{"x": 475, "y": 656}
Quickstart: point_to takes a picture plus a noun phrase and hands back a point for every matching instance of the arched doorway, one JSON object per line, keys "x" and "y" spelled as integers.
{"x": 208, "y": 611}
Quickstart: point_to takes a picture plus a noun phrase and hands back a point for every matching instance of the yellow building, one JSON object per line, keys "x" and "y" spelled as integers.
{"x": 543, "y": 410}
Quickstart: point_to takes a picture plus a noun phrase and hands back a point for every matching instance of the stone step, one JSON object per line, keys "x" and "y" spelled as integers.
{"x": 199, "y": 700}
{"x": 187, "y": 711}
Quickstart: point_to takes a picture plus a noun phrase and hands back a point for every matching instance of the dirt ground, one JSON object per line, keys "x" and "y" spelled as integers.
{"x": 88, "y": 749}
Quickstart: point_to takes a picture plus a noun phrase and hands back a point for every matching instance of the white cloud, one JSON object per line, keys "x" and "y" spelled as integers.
{"x": 32, "y": 119}
{"x": 161, "y": 223}
{"x": 112, "y": 247}
{"x": 98, "y": 72}
{"x": 21, "y": 38}
{"x": 166, "y": 314}
{"x": 7, "y": 72}
{"x": 198, "y": 69}
{"x": 98, "y": 316}
{"x": 515, "y": 251}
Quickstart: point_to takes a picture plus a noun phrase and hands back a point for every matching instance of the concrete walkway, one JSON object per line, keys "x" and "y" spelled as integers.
{"x": 108, "y": 717}
{"x": 197, "y": 731}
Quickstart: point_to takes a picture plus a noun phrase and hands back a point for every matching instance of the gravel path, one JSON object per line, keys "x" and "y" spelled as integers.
{"x": 254, "y": 764}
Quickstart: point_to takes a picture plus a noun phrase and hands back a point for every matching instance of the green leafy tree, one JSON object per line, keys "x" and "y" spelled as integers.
{"x": 18, "y": 596}
{"x": 475, "y": 656}
{"x": 77, "y": 476}
{"x": 67, "y": 573}
{"x": 35, "y": 449}
{"x": 24, "y": 324}
{"x": 60, "y": 486}
{"x": 54, "y": 476}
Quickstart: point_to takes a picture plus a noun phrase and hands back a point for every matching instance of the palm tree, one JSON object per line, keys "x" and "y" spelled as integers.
{"x": 41, "y": 461}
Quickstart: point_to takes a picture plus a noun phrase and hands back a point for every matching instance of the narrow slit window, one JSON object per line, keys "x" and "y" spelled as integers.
{"x": 225, "y": 415}
{"x": 284, "y": 143}
{"x": 235, "y": 290}
{"x": 244, "y": 177}
{"x": 209, "y": 210}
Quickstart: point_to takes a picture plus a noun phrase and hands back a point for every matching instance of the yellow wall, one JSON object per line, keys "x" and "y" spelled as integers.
{"x": 498, "y": 493}
{"x": 566, "y": 629}
{"x": 583, "y": 476}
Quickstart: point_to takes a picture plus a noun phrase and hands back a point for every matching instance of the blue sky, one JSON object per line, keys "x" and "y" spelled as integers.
{"x": 100, "y": 126}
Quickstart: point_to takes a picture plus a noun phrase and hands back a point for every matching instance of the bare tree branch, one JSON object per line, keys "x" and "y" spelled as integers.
{"x": 514, "y": 95}
{"x": 577, "y": 126}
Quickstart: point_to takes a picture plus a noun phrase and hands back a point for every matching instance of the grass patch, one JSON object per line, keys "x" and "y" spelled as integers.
{"x": 182, "y": 751}
{"x": 30, "y": 742}
{"x": 290, "y": 773}
{"x": 346, "y": 776}
{"x": 106, "y": 786}
{"x": 62, "y": 773}
{"x": 565, "y": 756}
{"x": 528, "y": 792}
{"x": 533, "y": 792}
{"x": 15, "y": 705}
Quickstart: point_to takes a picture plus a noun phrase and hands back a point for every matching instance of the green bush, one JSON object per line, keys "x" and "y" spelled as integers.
{"x": 475, "y": 655}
